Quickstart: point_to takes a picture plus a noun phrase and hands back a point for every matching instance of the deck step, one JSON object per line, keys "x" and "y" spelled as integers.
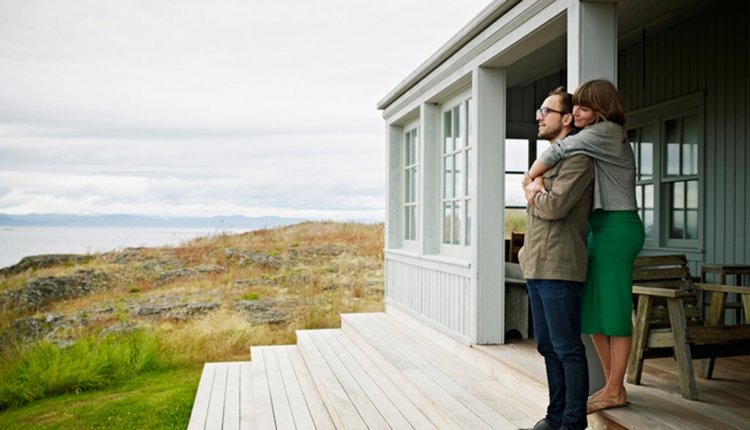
{"x": 451, "y": 392}
{"x": 284, "y": 395}
{"x": 357, "y": 393}
{"x": 222, "y": 401}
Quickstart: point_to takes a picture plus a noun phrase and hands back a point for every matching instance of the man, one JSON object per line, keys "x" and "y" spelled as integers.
{"x": 554, "y": 260}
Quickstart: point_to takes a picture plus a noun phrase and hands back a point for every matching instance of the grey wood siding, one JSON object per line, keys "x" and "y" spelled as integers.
{"x": 706, "y": 53}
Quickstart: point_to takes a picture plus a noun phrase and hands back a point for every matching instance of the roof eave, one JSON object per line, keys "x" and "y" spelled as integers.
{"x": 484, "y": 19}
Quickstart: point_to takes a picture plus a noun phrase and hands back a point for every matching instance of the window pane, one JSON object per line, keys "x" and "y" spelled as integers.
{"x": 646, "y": 154}
{"x": 407, "y": 222}
{"x": 673, "y": 147}
{"x": 678, "y": 225}
{"x": 469, "y": 131}
{"x": 448, "y": 177}
{"x": 516, "y": 155}
{"x": 514, "y": 195}
{"x": 447, "y": 133}
{"x": 515, "y": 220}
{"x": 447, "y": 220}
{"x": 648, "y": 222}
{"x": 457, "y": 222}
{"x": 692, "y": 194}
{"x": 459, "y": 174}
{"x": 457, "y": 127}
{"x": 541, "y": 146}
{"x": 468, "y": 172}
{"x": 648, "y": 196}
{"x": 407, "y": 186}
{"x": 415, "y": 140}
{"x": 678, "y": 195}
{"x": 468, "y": 222}
{"x": 639, "y": 196}
{"x": 690, "y": 145}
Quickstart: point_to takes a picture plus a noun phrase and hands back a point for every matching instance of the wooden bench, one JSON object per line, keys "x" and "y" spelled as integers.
{"x": 668, "y": 320}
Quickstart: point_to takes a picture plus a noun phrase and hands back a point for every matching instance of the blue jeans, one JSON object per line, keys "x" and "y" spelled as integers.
{"x": 556, "y": 312}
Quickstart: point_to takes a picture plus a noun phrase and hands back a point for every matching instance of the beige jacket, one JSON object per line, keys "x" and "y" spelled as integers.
{"x": 557, "y": 226}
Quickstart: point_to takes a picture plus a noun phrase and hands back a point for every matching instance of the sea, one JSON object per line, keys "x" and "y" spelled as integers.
{"x": 19, "y": 242}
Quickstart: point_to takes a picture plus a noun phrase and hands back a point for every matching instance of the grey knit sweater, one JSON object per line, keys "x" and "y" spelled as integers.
{"x": 614, "y": 187}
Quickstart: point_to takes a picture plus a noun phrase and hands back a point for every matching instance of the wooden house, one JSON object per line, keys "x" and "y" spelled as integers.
{"x": 461, "y": 129}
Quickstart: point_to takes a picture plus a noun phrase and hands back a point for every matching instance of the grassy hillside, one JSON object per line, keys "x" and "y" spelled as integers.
{"x": 89, "y": 329}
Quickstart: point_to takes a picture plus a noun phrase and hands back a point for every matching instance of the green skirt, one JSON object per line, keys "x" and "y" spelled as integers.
{"x": 615, "y": 239}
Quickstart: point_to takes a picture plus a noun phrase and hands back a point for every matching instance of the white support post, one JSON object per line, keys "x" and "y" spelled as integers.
{"x": 592, "y": 54}
{"x": 488, "y": 196}
{"x": 592, "y": 42}
{"x": 430, "y": 178}
{"x": 393, "y": 186}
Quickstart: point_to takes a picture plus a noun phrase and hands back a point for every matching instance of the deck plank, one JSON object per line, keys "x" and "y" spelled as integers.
{"x": 297, "y": 403}
{"x": 282, "y": 410}
{"x": 202, "y": 398}
{"x": 318, "y": 411}
{"x": 215, "y": 415}
{"x": 264, "y": 418}
{"x": 247, "y": 401}
{"x": 409, "y": 381}
{"x": 392, "y": 393}
{"x": 514, "y": 406}
{"x": 231, "y": 419}
{"x": 454, "y": 398}
{"x": 343, "y": 412}
{"x": 351, "y": 384}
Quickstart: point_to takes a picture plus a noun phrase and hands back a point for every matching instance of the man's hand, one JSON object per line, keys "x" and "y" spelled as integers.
{"x": 531, "y": 189}
{"x": 526, "y": 180}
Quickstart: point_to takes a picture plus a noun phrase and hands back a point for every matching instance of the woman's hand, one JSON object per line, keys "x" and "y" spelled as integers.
{"x": 526, "y": 180}
{"x": 531, "y": 190}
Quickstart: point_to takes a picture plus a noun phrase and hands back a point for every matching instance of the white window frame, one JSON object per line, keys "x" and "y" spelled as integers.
{"x": 410, "y": 169}
{"x": 657, "y": 117}
{"x": 462, "y": 149}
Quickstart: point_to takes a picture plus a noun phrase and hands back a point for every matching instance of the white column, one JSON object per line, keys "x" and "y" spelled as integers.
{"x": 489, "y": 95}
{"x": 393, "y": 162}
{"x": 592, "y": 42}
{"x": 430, "y": 178}
{"x": 592, "y": 54}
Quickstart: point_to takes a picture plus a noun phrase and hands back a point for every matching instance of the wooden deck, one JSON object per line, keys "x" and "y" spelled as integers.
{"x": 388, "y": 371}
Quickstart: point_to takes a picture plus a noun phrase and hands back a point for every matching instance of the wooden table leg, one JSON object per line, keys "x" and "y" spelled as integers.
{"x": 640, "y": 339}
{"x": 682, "y": 349}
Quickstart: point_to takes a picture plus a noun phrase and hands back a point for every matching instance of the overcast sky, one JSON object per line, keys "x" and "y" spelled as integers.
{"x": 200, "y": 108}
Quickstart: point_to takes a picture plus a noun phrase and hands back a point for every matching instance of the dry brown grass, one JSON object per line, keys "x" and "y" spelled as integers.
{"x": 319, "y": 270}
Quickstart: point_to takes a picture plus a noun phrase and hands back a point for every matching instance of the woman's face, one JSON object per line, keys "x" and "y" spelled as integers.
{"x": 583, "y": 116}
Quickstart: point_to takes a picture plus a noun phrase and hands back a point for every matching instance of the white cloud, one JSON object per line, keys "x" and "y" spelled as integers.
{"x": 203, "y": 108}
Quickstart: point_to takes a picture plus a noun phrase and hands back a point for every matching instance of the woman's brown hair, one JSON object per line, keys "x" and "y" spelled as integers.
{"x": 602, "y": 97}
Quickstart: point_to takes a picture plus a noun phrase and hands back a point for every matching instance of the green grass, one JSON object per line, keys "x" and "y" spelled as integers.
{"x": 160, "y": 399}
{"x": 43, "y": 369}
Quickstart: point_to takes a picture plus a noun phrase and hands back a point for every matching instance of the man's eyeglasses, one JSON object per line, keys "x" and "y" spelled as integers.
{"x": 544, "y": 111}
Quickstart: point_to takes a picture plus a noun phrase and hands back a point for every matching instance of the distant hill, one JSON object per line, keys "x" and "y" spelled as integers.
{"x": 215, "y": 222}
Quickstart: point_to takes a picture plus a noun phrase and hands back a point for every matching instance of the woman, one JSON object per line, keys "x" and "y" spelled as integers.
{"x": 616, "y": 232}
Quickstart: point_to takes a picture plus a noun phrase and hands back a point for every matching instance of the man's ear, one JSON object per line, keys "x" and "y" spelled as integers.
{"x": 567, "y": 119}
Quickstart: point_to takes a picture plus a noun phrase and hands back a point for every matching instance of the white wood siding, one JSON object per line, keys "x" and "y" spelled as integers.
{"x": 438, "y": 292}
{"x": 706, "y": 53}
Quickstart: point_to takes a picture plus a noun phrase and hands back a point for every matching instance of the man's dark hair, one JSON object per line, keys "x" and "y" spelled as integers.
{"x": 565, "y": 98}
{"x": 566, "y": 101}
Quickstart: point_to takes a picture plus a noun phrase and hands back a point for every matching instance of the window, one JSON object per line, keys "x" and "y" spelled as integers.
{"x": 519, "y": 154}
{"x": 681, "y": 180}
{"x": 456, "y": 177}
{"x": 665, "y": 142}
{"x": 410, "y": 167}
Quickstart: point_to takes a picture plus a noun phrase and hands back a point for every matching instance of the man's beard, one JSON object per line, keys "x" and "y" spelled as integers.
{"x": 549, "y": 133}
